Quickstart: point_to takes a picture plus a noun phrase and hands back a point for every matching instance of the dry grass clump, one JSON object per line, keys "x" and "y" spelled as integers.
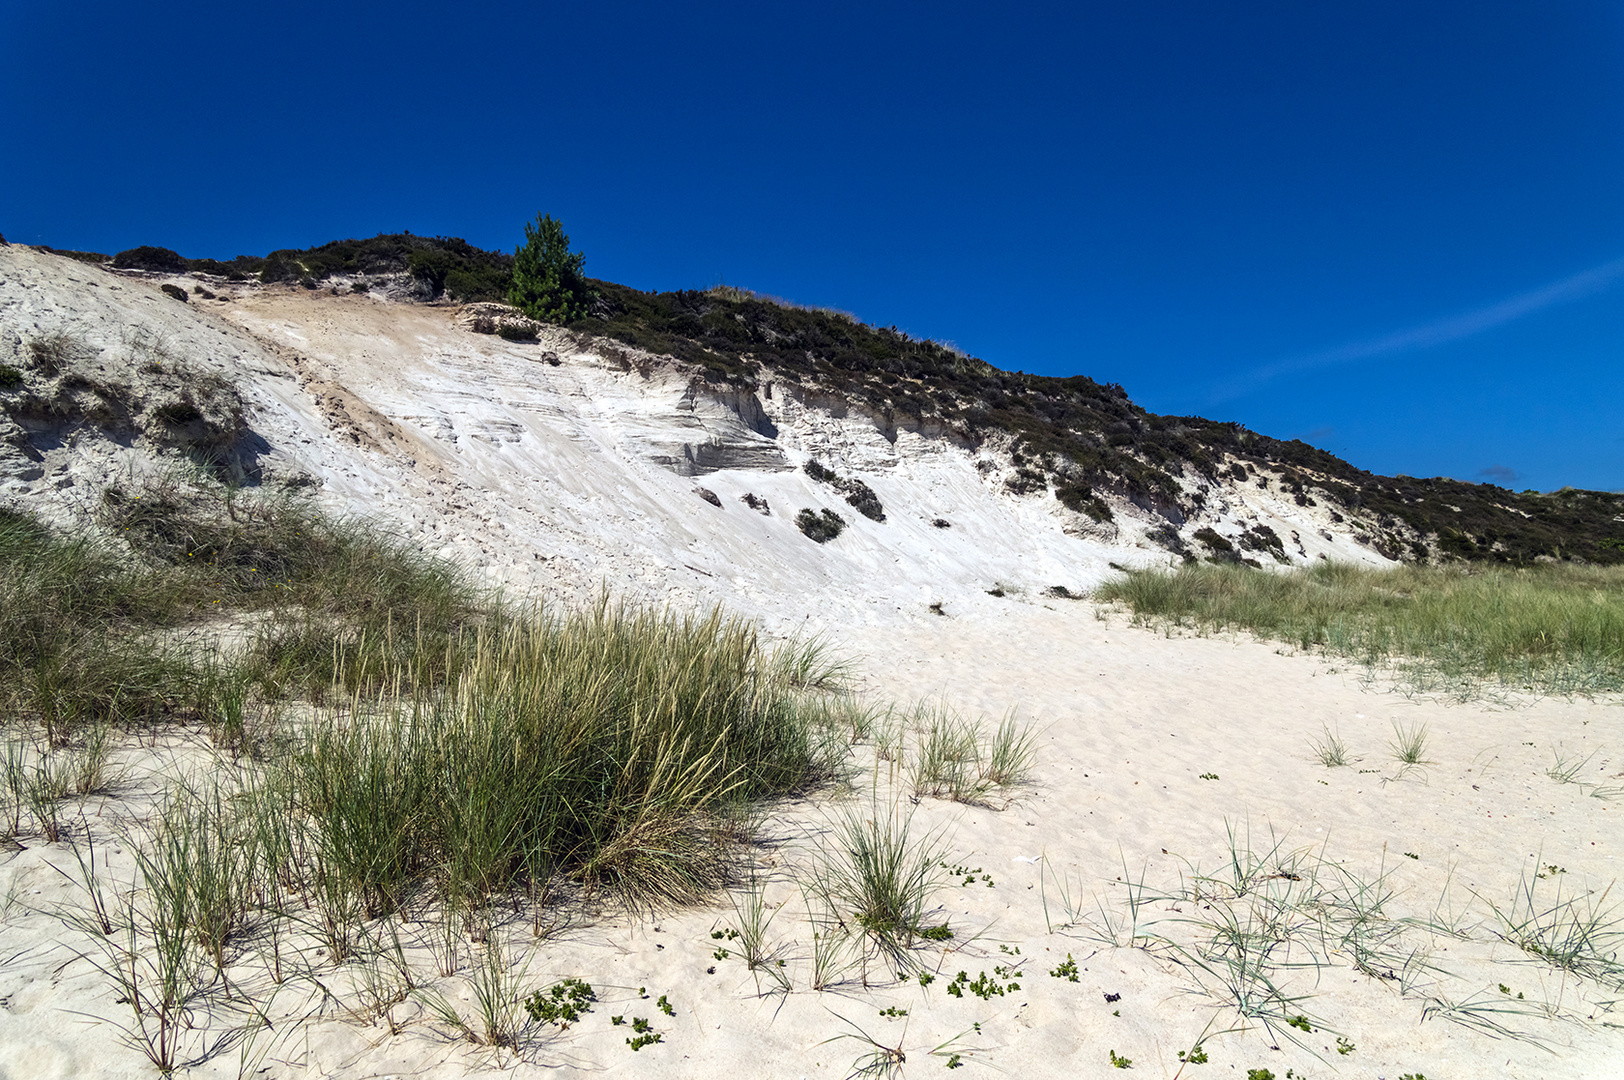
{"x": 608, "y": 746}
{"x": 104, "y": 624}
{"x": 1555, "y": 629}
{"x": 955, "y": 758}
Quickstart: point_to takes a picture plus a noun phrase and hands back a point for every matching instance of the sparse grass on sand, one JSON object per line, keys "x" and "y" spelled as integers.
{"x": 1555, "y": 629}
{"x": 418, "y": 749}
{"x": 110, "y": 622}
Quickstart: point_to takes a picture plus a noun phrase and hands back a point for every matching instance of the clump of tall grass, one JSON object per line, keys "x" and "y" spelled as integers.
{"x": 1551, "y": 628}
{"x": 1580, "y": 933}
{"x": 607, "y": 745}
{"x": 1409, "y": 744}
{"x": 1330, "y": 750}
{"x": 956, "y": 759}
{"x": 878, "y": 876}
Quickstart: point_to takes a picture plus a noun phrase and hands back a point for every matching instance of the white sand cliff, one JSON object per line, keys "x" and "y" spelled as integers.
{"x": 566, "y": 466}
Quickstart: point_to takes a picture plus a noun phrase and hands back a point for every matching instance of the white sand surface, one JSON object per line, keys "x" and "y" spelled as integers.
{"x": 561, "y": 479}
{"x": 1128, "y": 722}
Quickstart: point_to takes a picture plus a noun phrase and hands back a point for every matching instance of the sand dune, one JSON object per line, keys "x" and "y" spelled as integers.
{"x": 1157, "y": 759}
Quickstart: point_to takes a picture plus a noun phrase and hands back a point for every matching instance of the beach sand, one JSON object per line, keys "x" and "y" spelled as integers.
{"x": 1127, "y": 721}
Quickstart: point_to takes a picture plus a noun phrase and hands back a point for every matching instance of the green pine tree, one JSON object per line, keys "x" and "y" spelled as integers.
{"x": 548, "y": 284}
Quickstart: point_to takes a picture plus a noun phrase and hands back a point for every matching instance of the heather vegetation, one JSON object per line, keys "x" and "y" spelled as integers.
{"x": 1072, "y": 437}
{"x": 1551, "y": 628}
{"x": 442, "y": 266}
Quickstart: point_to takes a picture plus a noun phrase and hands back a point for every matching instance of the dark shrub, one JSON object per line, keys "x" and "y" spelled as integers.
{"x": 822, "y": 526}
{"x": 178, "y": 412}
{"x": 430, "y": 268}
{"x": 1026, "y": 481}
{"x": 94, "y": 258}
{"x": 756, "y": 503}
{"x": 1081, "y": 498}
{"x": 10, "y": 377}
{"x": 861, "y": 498}
{"x": 175, "y": 291}
{"x": 469, "y": 283}
{"x": 708, "y": 495}
{"x": 150, "y": 258}
{"x": 1262, "y": 538}
{"x": 280, "y": 266}
{"x": 1210, "y": 537}
{"x": 515, "y": 332}
{"x": 859, "y": 495}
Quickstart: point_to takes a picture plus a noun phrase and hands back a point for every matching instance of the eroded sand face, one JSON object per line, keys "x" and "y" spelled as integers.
{"x": 544, "y": 478}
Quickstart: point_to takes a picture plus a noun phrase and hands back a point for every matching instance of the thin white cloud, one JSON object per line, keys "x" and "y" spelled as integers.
{"x": 1586, "y": 283}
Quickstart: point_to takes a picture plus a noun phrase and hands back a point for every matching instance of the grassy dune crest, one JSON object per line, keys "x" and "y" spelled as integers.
{"x": 1555, "y": 629}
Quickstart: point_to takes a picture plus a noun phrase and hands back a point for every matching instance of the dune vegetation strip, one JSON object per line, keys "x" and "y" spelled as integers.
{"x": 1553, "y": 629}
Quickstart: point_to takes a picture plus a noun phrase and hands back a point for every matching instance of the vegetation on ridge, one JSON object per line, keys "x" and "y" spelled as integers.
{"x": 1072, "y": 437}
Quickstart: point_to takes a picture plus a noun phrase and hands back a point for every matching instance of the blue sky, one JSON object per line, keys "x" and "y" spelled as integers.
{"x": 1394, "y": 230}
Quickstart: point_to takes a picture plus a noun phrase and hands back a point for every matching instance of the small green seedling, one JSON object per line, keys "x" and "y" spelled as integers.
{"x": 665, "y": 1006}
{"x": 1301, "y": 1023}
{"x": 616, "y": 1021}
{"x": 1067, "y": 970}
{"x": 1343, "y": 1046}
{"x": 954, "y": 1062}
{"x": 1007, "y": 951}
{"x": 925, "y": 979}
{"x": 1001, "y": 983}
{"x": 894, "y": 1013}
{"x": 1412, "y": 855}
{"x": 721, "y": 954}
{"x": 1209, "y": 776}
{"x": 970, "y": 876}
{"x": 1118, "y": 1062}
{"x": 725, "y": 935}
{"x": 1504, "y": 989}
{"x": 937, "y": 933}
{"x": 1194, "y": 1056}
{"x": 645, "y": 1034}
{"x": 1259, "y": 1074}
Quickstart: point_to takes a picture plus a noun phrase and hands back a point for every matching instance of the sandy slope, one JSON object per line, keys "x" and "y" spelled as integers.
{"x": 550, "y": 477}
